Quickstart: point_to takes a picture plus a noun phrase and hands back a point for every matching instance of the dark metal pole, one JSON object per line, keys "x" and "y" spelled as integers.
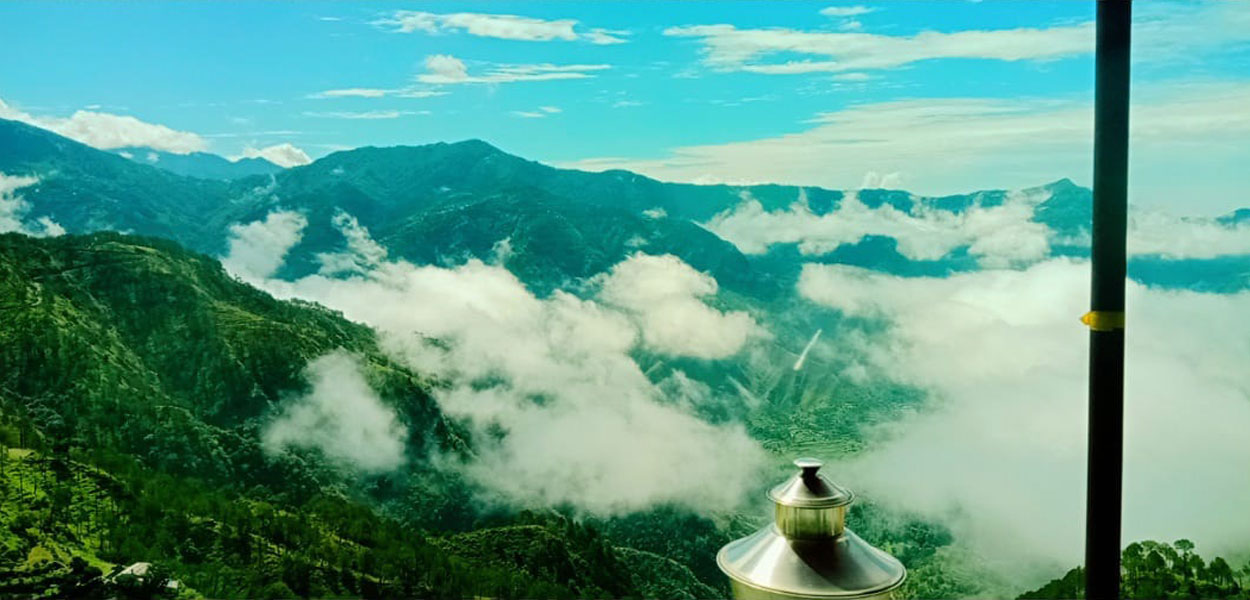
{"x": 1106, "y": 317}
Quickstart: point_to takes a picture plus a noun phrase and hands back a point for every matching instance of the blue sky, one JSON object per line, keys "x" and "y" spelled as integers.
{"x": 784, "y": 91}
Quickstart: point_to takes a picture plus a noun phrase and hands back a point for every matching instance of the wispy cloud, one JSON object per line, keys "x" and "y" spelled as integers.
{"x": 377, "y": 93}
{"x": 1162, "y": 31}
{"x": 352, "y": 93}
{"x": 728, "y": 48}
{"x": 369, "y": 114}
{"x": 846, "y": 11}
{"x": 542, "y": 111}
{"x": 447, "y": 69}
{"x": 507, "y": 27}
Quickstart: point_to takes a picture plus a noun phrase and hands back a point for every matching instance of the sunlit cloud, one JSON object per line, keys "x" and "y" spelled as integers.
{"x": 846, "y": 11}
{"x": 506, "y": 27}
{"x": 283, "y": 155}
{"x": 107, "y": 131}
{"x": 447, "y": 69}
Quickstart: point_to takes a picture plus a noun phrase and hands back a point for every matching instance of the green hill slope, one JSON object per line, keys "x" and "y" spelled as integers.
{"x": 112, "y": 339}
{"x": 136, "y": 379}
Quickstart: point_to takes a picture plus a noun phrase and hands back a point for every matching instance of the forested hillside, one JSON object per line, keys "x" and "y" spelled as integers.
{"x": 134, "y": 381}
{"x": 1152, "y": 570}
{"x": 138, "y": 380}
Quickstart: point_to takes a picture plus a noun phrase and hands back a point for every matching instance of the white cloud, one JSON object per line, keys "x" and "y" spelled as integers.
{"x": 342, "y": 417}
{"x": 258, "y": 249}
{"x": 1186, "y": 144}
{"x": 362, "y": 254}
{"x": 416, "y": 93}
{"x": 378, "y": 93}
{"x": 1158, "y": 233}
{"x": 846, "y": 11}
{"x": 283, "y": 155}
{"x": 1000, "y": 455}
{"x": 998, "y": 236}
{"x": 606, "y": 36}
{"x": 353, "y": 93}
{"x": 506, "y": 27}
{"x": 1162, "y": 32}
{"x": 369, "y": 114}
{"x": 728, "y": 48}
{"x": 664, "y": 295}
{"x": 542, "y": 111}
{"x": 107, "y": 131}
{"x": 13, "y": 209}
{"x": 447, "y": 69}
{"x": 583, "y": 424}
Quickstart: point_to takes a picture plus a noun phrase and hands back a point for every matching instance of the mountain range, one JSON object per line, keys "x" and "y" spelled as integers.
{"x": 139, "y": 379}
{"x": 199, "y": 164}
{"x": 450, "y": 201}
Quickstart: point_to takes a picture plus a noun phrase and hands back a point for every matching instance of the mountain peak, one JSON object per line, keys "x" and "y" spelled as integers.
{"x": 476, "y": 144}
{"x": 1064, "y": 184}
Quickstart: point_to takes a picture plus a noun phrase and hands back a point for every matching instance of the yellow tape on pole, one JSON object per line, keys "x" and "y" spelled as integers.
{"x": 1102, "y": 320}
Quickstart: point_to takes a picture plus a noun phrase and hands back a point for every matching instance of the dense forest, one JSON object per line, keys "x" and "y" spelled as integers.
{"x": 1154, "y": 570}
{"x": 130, "y": 435}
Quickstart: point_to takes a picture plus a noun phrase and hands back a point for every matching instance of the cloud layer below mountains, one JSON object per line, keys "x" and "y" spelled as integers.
{"x": 258, "y": 249}
{"x": 583, "y": 424}
{"x": 342, "y": 417}
{"x": 13, "y": 209}
{"x": 998, "y": 236}
{"x": 1001, "y": 455}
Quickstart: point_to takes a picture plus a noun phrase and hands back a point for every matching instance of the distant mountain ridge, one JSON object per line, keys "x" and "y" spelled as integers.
{"x": 203, "y": 165}
{"x": 453, "y": 201}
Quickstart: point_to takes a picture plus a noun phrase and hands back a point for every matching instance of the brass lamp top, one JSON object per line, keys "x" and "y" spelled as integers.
{"x": 810, "y": 489}
{"x": 807, "y": 553}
